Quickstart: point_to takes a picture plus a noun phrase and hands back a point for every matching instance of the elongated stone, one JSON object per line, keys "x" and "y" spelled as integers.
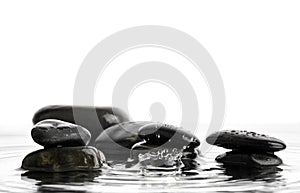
{"x": 64, "y": 159}
{"x": 94, "y": 119}
{"x": 246, "y": 141}
{"x": 54, "y": 133}
{"x": 158, "y": 134}
{"x": 249, "y": 159}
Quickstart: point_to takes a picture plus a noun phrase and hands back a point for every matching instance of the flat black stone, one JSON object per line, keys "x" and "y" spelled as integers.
{"x": 54, "y": 133}
{"x": 95, "y": 119}
{"x": 158, "y": 134}
{"x": 248, "y": 159}
{"x": 64, "y": 159}
{"x": 246, "y": 141}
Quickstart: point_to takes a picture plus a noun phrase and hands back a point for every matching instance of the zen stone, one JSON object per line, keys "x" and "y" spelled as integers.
{"x": 246, "y": 141}
{"x": 64, "y": 159}
{"x": 95, "y": 119}
{"x": 54, "y": 133}
{"x": 249, "y": 159}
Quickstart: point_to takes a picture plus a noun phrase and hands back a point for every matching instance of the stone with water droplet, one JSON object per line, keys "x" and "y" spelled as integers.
{"x": 54, "y": 133}
{"x": 158, "y": 134}
{"x": 246, "y": 141}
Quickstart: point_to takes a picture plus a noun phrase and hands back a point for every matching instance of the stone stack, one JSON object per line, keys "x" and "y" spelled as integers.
{"x": 248, "y": 149}
{"x": 65, "y": 148}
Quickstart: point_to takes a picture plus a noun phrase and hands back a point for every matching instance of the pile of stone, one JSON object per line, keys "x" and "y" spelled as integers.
{"x": 69, "y": 146}
{"x": 74, "y": 138}
{"x": 77, "y": 138}
{"x": 248, "y": 149}
{"x": 65, "y": 148}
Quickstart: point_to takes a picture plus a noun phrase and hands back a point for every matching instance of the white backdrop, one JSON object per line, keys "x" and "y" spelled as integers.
{"x": 255, "y": 45}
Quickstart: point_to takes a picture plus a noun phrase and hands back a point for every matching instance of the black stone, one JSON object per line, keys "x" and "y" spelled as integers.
{"x": 64, "y": 159}
{"x": 54, "y": 133}
{"x": 158, "y": 134}
{"x": 246, "y": 141}
{"x": 236, "y": 158}
{"x": 95, "y": 119}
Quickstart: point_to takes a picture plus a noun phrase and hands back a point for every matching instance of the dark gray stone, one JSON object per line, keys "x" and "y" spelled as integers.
{"x": 158, "y": 134}
{"x": 54, "y": 133}
{"x": 249, "y": 159}
{"x": 94, "y": 119}
{"x": 246, "y": 141}
{"x": 64, "y": 159}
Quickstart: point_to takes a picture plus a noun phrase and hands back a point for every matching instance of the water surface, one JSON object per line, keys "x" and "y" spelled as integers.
{"x": 209, "y": 177}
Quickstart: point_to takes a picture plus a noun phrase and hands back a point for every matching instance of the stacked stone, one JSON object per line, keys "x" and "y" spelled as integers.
{"x": 66, "y": 143}
{"x": 248, "y": 149}
{"x": 69, "y": 135}
{"x": 65, "y": 148}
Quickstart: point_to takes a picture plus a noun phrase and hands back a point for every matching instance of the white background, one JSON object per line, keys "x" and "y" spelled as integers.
{"x": 255, "y": 45}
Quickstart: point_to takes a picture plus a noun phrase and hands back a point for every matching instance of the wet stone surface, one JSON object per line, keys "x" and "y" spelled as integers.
{"x": 247, "y": 141}
{"x": 158, "y": 134}
{"x": 249, "y": 159}
{"x": 55, "y": 133}
{"x": 64, "y": 159}
{"x": 249, "y": 149}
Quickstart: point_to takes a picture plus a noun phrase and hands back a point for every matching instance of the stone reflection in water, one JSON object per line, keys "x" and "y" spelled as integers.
{"x": 268, "y": 174}
{"x": 43, "y": 189}
{"x": 60, "y": 177}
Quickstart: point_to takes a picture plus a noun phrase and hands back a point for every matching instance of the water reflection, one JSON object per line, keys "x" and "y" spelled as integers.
{"x": 44, "y": 179}
{"x": 267, "y": 174}
{"x": 63, "y": 177}
{"x": 43, "y": 189}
